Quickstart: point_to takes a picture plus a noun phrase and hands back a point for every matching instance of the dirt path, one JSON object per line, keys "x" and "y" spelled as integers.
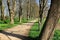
{"x": 19, "y": 32}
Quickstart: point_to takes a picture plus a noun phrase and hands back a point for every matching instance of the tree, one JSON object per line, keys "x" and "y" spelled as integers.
{"x": 33, "y": 9}
{"x": 42, "y": 6}
{"x": 51, "y": 21}
{"x": 20, "y": 10}
{"x": 28, "y": 10}
{"x": 11, "y": 10}
{"x": 0, "y": 2}
{"x": 1, "y": 7}
{"x": 2, "y": 13}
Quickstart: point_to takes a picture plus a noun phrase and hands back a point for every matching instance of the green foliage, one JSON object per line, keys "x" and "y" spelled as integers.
{"x": 1, "y": 22}
{"x": 7, "y": 21}
{"x": 24, "y": 20}
{"x": 5, "y": 26}
{"x": 35, "y": 27}
{"x": 56, "y": 35}
{"x": 34, "y": 32}
{"x": 16, "y": 21}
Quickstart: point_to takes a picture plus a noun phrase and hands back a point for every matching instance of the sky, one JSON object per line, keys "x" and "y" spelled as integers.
{"x": 37, "y": 1}
{"x": 48, "y": 2}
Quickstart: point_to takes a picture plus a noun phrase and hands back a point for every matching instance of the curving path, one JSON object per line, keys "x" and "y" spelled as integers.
{"x": 19, "y": 32}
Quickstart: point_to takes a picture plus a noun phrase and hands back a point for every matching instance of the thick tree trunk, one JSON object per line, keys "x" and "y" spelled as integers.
{"x": 11, "y": 11}
{"x": 50, "y": 22}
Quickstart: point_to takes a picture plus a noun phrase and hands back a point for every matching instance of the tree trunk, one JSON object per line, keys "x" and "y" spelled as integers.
{"x": 28, "y": 10}
{"x": 50, "y": 22}
{"x": 42, "y": 6}
{"x": 11, "y": 11}
{"x": 2, "y": 12}
{"x": 20, "y": 10}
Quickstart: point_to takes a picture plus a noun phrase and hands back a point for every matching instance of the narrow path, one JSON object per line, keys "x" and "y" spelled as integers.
{"x": 19, "y": 32}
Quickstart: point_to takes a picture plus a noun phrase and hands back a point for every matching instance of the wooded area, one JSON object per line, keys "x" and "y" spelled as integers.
{"x": 18, "y": 12}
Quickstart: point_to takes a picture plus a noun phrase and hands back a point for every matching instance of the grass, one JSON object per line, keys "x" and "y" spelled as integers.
{"x": 56, "y": 35}
{"x": 34, "y": 32}
{"x": 5, "y": 26}
{"x": 36, "y": 29}
{"x": 24, "y": 20}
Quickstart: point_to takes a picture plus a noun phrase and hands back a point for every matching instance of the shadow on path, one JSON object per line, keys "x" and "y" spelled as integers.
{"x": 18, "y": 36}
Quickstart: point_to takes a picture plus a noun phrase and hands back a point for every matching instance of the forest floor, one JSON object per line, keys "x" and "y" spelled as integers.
{"x": 19, "y": 32}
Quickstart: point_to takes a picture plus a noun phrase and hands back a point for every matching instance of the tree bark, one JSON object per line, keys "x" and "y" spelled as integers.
{"x": 42, "y": 6}
{"x": 2, "y": 13}
{"x": 28, "y": 16}
{"x": 20, "y": 10}
{"x": 11, "y": 11}
{"x": 50, "y": 22}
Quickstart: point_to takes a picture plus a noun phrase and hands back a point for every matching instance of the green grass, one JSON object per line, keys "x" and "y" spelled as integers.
{"x": 24, "y": 20}
{"x": 34, "y": 32}
{"x": 56, "y": 35}
{"x": 5, "y": 26}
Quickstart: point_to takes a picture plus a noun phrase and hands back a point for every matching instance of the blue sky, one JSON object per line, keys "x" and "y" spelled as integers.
{"x": 37, "y": 1}
{"x": 48, "y": 2}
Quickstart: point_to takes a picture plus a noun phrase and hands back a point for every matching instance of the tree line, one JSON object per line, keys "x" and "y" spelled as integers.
{"x": 19, "y": 8}
{"x": 30, "y": 8}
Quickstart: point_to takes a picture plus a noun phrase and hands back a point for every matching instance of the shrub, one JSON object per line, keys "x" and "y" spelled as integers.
{"x": 56, "y": 35}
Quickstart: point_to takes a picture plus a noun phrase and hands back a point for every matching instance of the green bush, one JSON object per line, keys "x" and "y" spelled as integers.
{"x": 1, "y": 22}
{"x": 56, "y": 35}
{"x": 7, "y": 21}
{"x": 16, "y": 20}
{"x": 24, "y": 20}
